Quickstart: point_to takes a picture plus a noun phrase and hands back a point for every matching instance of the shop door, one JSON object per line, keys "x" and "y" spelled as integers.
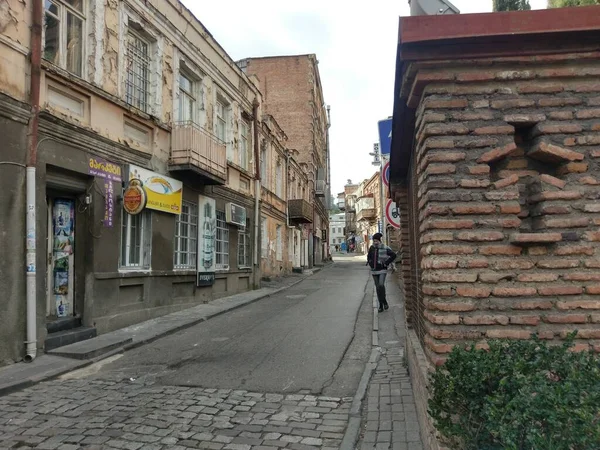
{"x": 61, "y": 257}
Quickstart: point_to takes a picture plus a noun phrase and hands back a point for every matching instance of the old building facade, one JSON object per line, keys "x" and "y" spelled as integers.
{"x": 124, "y": 94}
{"x": 496, "y": 176}
{"x": 293, "y": 95}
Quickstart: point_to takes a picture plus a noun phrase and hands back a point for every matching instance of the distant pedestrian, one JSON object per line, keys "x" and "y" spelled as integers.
{"x": 379, "y": 259}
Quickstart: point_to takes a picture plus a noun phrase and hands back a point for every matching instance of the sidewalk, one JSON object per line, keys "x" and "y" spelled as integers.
{"x": 388, "y": 418}
{"x": 65, "y": 359}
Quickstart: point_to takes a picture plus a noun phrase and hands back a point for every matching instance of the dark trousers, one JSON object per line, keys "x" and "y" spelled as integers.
{"x": 379, "y": 280}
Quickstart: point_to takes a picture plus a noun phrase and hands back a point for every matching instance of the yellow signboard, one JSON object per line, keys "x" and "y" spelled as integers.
{"x": 164, "y": 193}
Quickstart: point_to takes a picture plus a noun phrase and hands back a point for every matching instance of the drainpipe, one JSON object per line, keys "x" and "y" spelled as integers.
{"x": 32, "y": 138}
{"x": 257, "y": 191}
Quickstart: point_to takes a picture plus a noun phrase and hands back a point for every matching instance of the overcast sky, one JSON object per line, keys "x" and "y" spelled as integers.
{"x": 356, "y": 49}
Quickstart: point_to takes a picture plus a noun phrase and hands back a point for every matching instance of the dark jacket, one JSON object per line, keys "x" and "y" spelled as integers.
{"x": 385, "y": 256}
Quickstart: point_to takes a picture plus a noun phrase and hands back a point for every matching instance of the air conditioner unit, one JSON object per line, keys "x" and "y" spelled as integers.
{"x": 235, "y": 214}
{"x": 320, "y": 188}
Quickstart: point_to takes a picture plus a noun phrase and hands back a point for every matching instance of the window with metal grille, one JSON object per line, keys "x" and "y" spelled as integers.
{"x": 244, "y": 144}
{"x": 186, "y": 237}
{"x": 137, "y": 83}
{"x": 136, "y": 240}
{"x": 64, "y": 24}
{"x": 222, "y": 252}
{"x": 279, "y": 248}
{"x": 264, "y": 238}
{"x": 279, "y": 180}
{"x": 264, "y": 176}
{"x": 244, "y": 249}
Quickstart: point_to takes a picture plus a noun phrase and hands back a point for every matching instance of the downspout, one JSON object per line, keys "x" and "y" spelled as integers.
{"x": 32, "y": 143}
{"x": 257, "y": 191}
{"x": 328, "y": 179}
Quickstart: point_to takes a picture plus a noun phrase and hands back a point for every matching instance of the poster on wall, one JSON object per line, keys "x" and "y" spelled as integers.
{"x": 163, "y": 193}
{"x": 63, "y": 227}
{"x": 207, "y": 229}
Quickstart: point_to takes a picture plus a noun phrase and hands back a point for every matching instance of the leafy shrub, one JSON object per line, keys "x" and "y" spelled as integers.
{"x": 518, "y": 395}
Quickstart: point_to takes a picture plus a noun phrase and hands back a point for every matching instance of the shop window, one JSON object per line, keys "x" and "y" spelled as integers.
{"x": 64, "y": 24}
{"x": 279, "y": 248}
{"x": 244, "y": 248}
{"x": 186, "y": 237}
{"x": 136, "y": 240}
{"x": 222, "y": 252}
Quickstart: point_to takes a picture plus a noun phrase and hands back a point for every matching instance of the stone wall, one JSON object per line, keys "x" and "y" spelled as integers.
{"x": 507, "y": 161}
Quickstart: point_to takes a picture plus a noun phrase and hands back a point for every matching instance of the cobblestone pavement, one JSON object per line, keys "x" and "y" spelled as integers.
{"x": 100, "y": 414}
{"x": 389, "y": 413}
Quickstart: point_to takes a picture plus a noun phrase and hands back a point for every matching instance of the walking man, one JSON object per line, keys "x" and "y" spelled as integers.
{"x": 379, "y": 258}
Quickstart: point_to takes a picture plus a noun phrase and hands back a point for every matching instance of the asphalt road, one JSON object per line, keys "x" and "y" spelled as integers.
{"x": 312, "y": 337}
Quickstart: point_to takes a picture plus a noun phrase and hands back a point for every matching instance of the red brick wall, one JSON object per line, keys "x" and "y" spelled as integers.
{"x": 285, "y": 84}
{"x": 508, "y": 161}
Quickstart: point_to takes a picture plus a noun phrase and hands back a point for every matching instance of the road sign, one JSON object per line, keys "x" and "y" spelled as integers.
{"x": 386, "y": 173}
{"x": 385, "y": 136}
{"x": 392, "y": 214}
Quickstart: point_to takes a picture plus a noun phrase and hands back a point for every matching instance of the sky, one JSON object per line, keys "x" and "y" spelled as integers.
{"x": 356, "y": 49}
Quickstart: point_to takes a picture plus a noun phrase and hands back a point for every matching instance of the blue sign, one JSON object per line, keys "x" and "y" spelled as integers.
{"x": 385, "y": 136}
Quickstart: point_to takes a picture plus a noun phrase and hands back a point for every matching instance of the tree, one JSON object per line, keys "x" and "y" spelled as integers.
{"x": 512, "y": 5}
{"x": 565, "y": 3}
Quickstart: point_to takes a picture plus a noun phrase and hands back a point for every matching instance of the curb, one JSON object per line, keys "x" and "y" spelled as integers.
{"x": 353, "y": 429}
{"x": 28, "y": 382}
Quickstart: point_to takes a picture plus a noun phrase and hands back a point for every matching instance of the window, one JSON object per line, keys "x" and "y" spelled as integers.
{"x": 244, "y": 144}
{"x": 221, "y": 121}
{"x": 187, "y": 99}
{"x": 279, "y": 248}
{"x": 263, "y": 166}
{"x": 264, "y": 238}
{"x": 222, "y": 252}
{"x": 186, "y": 237}
{"x": 63, "y": 34}
{"x": 244, "y": 249}
{"x": 135, "y": 240}
{"x": 137, "y": 83}
{"x": 279, "y": 180}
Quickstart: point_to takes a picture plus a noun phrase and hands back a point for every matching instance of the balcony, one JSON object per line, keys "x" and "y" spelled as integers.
{"x": 320, "y": 188}
{"x": 341, "y": 204}
{"x": 300, "y": 211}
{"x": 195, "y": 150}
{"x": 367, "y": 214}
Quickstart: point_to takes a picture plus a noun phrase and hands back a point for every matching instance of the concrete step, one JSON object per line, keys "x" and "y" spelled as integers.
{"x": 92, "y": 348}
{"x": 63, "y": 324}
{"x": 66, "y": 337}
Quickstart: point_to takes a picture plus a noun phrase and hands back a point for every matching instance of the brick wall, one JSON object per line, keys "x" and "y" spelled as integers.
{"x": 508, "y": 181}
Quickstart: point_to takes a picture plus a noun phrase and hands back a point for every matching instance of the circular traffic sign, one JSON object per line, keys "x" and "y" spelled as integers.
{"x": 392, "y": 214}
{"x": 386, "y": 174}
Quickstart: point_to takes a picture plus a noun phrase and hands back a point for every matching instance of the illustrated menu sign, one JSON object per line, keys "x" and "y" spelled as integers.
{"x": 164, "y": 193}
{"x": 207, "y": 229}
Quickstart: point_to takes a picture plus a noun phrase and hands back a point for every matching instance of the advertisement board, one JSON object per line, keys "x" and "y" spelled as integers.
{"x": 163, "y": 193}
{"x": 207, "y": 229}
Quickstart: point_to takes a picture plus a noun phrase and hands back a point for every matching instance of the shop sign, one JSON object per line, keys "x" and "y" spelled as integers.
{"x": 134, "y": 197}
{"x": 163, "y": 193}
{"x": 109, "y": 203}
{"x": 104, "y": 169}
{"x": 207, "y": 229}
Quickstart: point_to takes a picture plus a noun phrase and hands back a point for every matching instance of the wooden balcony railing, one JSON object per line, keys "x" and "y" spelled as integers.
{"x": 195, "y": 149}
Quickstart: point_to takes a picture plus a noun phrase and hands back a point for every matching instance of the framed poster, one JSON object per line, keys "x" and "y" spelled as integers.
{"x": 207, "y": 229}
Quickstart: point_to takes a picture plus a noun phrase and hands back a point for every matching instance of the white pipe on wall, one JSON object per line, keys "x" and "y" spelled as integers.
{"x": 31, "y": 343}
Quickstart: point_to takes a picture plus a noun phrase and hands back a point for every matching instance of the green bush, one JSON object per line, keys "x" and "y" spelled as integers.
{"x": 518, "y": 395}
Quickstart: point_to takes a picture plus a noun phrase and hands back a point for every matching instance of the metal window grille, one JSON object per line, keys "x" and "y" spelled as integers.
{"x": 186, "y": 237}
{"x": 135, "y": 241}
{"x": 244, "y": 249}
{"x": 279, "y": 249}
{"x": 416, "y": 292}
{"x": 263, "y": 167}
{"x": 264, "y": 242}
{"x": 279, "y": 180}
{"x": 222, "y": 251}
{"x": 137, "y": 83}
